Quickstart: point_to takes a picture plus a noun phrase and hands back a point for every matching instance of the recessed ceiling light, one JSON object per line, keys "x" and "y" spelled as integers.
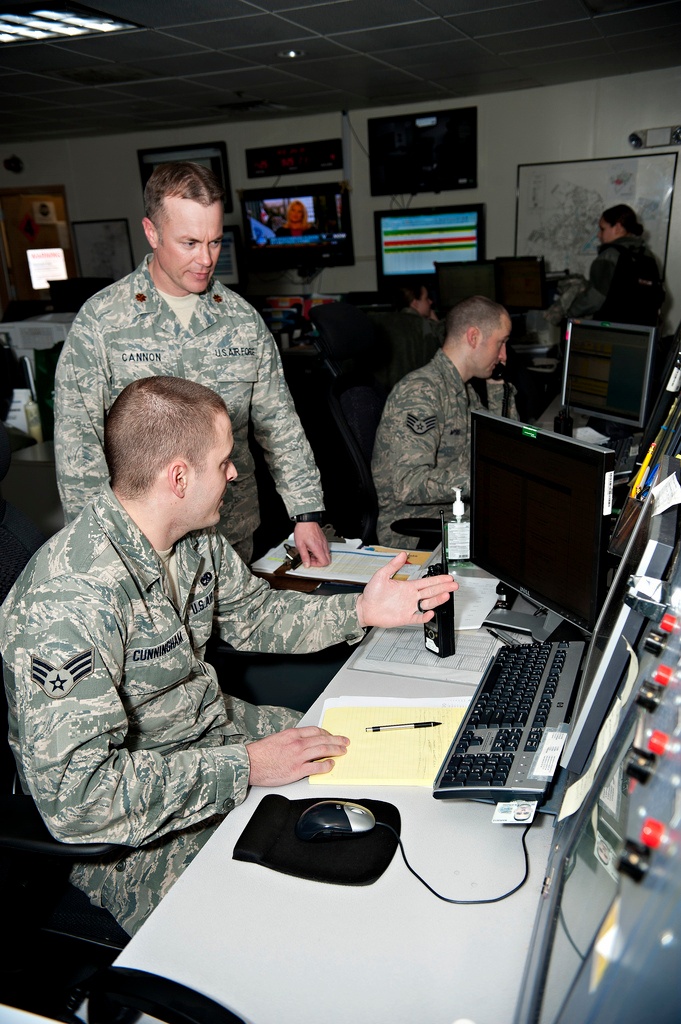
{"x": 56, "y": 22}
{"x": 291, "y": 54}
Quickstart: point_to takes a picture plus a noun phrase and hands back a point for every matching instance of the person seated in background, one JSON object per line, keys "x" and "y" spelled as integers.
{"x": 297, "y": 222}
{"x": 414, "y": 298}
{"x": 624, "y": 283}
{"x": 406, "y": 342}
{"x": 119, "y": 726}
{"x": 422, "y": 448}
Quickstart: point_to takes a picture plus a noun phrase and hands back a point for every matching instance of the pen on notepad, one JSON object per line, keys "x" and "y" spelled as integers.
{"x": 402, "y": 725}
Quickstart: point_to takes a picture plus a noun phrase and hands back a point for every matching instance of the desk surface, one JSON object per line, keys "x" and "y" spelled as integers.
{"x": 281, "y": 950}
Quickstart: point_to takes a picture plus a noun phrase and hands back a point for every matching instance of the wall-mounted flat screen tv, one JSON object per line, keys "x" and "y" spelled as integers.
{"x": 302, "y": 227}
{"x": 426, "y": 152}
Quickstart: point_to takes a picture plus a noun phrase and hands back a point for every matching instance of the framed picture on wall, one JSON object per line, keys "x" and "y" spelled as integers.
{"x": 209, "y": 154}
{"x": 229, "y": 268}
{"x": 103, "y": 248}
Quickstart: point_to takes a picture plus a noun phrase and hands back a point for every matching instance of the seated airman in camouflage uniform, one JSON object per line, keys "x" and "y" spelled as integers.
{"x": 172, "y": 318}
{"x": 422, "y": 448}
{"x": 119, "y": 727}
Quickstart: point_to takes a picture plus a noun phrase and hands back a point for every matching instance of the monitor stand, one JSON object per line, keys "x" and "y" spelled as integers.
{"x": 540, "y": 627}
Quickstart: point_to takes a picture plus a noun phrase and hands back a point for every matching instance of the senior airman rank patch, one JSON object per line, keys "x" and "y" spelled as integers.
{"x": 58, "y": 682}
{"x": 420, "y": 426}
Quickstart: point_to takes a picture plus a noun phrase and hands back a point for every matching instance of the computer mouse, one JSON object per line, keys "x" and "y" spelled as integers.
{"x": 334, "y": 819}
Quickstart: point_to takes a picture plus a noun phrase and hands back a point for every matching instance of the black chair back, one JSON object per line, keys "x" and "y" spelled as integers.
{"x": 346, "y": 337}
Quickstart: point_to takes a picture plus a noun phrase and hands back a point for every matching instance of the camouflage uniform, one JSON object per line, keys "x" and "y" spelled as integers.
{"x": 422, "y": 448}
{"x": 127, "y": 331}
{"x": 118, "y": 725}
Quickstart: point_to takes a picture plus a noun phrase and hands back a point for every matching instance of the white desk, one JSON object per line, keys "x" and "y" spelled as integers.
{"x": 281, "y": 950}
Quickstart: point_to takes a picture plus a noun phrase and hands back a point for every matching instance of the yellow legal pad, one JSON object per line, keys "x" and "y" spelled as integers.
{"x": 399, "y": 757}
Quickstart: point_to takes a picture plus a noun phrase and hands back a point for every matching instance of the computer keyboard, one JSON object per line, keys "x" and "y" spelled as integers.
{"x": 505, "y": 748}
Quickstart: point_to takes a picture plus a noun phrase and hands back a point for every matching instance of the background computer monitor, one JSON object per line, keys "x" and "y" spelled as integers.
{"x": 410, "y": 242}
{"x": 521, "y": 283}
{"x": 327, "y": 240}
{"x": 540, "y": 517}
{"x": 430, "y": 151}
{"x": 607, "y": 370}
{"x": 458, "y": 281}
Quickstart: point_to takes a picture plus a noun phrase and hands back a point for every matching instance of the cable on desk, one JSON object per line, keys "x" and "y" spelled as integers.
{"x": 447, "y": 899}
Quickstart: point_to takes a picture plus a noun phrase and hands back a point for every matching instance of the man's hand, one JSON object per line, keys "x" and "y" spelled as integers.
{"x": 312, "y": 545}
{"x": 293, "y": 754}
{"x": 389, "y": 602}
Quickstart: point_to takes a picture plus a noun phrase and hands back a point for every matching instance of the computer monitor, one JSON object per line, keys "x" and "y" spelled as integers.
{"x": 410, "y": 242}
{"x": 607, "y": 370}
{"x": 540, "y": 516}
{"x": 430, "y": 151}
{"x": 647, "y": 554}
{"x": 458, "y": 281}
{"x": 304, "y": 227}
{"x": 521, "y": 283}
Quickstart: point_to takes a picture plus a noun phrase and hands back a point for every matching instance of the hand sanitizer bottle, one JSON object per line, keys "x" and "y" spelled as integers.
{"x": 458, "y": 531}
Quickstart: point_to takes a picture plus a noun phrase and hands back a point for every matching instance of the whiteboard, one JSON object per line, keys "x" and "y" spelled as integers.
{"x": 559, "y": 205}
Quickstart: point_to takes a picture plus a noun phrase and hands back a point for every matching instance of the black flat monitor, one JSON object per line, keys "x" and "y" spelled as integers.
{"x": 540, "y": 516}
{"x": 607, "y": 370}
{"x": 647, "y": 555}
{"x": 458, "y": 281}
{"x": 521, "y": 283}
{"x": 410, "y": 242}
{"x": 303, "y": 227}
{"x": 431, "y": 151}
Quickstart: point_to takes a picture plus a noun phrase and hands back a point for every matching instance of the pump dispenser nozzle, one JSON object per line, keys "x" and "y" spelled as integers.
{"x": 458, "y": 506}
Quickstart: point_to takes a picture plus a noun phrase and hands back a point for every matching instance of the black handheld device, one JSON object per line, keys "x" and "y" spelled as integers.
{"x": 439, "y": 632}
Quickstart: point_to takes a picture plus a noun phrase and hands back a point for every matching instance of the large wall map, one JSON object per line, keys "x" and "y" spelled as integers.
{"x": 559, "y": 206}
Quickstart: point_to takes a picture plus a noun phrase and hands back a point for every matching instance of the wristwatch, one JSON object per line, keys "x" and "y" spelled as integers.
{"x": 308, "y": 517}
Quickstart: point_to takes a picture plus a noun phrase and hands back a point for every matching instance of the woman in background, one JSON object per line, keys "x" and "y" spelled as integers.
{"x": 624, "y": 280}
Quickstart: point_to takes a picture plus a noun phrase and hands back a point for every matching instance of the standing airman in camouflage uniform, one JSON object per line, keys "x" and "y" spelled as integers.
{"x": 422, "y": 448}
{"x": 119, "y": 727}
{"x": 170, "y": 317}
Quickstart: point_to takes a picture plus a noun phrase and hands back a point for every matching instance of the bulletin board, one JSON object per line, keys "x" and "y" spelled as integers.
{"x": 559, "y": 205}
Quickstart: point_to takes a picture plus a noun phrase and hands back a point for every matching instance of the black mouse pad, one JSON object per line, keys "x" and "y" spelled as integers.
{"x": 270, "y": 839}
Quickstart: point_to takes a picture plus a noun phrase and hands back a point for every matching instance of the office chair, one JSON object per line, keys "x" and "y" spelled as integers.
{"x": 346, "y": 337}
{"x": 122, "y": 988}
{"x": 34, "y": 867}
{"x": 350, "y": 350}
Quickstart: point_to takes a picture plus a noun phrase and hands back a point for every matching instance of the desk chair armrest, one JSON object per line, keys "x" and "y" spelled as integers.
{"x": 166, "y": 1000}
{"x": 22, "y": 829}
{"x": 424, "y": 529}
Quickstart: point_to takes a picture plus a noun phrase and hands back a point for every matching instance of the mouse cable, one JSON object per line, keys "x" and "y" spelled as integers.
{"x": 447, "y": 899}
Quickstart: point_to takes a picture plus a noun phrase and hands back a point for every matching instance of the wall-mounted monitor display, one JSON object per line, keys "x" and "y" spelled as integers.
{"x": 410, "y": 242}
{"x": 425, "y": 152}
{"x": 304, "y": 228}
{"x": 607, "y": 370}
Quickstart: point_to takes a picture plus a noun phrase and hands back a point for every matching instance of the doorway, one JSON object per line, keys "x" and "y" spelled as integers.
{"x": 31, "y": 218}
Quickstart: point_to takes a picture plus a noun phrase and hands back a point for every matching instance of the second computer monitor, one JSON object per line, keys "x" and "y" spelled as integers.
{"x": 458, "y": 281}
{"x": 521, "y": 283}
{"x": 607, "y": 370}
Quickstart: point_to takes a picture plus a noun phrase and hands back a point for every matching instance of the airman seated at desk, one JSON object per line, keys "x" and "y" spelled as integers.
{"x": 120, "y": 728}
{"x": 422, "y": 449}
